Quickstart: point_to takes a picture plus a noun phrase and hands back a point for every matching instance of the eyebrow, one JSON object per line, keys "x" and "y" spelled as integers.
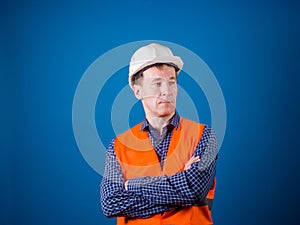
{"x": 156, "y": 79}
{"x": 159, "y": 79}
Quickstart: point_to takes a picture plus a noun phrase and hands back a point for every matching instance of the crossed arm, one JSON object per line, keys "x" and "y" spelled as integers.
{"x": 146, "y": 196}
{"x": 187, "y": 166}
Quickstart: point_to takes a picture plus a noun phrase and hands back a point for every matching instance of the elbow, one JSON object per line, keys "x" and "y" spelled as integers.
{"x": 108, "y": 214}
{"x": 202, "y": 197}
{"x": 203, "y": 190}
{"x": 106, "y": 205}
{"x": 107, "y": 210}
{"x": 106, "y": 202}
{"x": 201, "y": 194}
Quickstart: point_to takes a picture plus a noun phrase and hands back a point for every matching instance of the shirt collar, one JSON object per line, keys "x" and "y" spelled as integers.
{"x": 175, "y": 120}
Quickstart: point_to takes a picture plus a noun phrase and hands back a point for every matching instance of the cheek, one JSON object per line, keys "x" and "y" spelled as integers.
{"x": 149, "y": 103}
{"x": 151, "y": 92}
{"x": 174, "y": 91}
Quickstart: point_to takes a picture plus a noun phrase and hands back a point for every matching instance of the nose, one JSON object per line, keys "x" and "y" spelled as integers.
{"x": 165, "y": 88}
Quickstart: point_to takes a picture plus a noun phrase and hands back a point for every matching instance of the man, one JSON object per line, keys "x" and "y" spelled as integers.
{"x": 161, "y": 171}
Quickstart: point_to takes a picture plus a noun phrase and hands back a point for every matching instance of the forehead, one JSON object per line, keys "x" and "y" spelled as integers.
{"x": 163, "y": 71}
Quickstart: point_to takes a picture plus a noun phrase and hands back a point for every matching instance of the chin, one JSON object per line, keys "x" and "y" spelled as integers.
{"x": 159, "y": 111}
{"x": 164, "y": 113}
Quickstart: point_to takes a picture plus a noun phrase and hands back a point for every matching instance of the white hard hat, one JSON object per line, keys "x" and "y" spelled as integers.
{"x": 151, "y": 54}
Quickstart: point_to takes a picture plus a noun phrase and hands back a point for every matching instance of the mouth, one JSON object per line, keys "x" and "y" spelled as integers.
{"x": 164, "y": 102}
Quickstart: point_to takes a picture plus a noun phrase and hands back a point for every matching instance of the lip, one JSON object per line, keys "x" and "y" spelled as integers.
{"x": 164, "y": 102}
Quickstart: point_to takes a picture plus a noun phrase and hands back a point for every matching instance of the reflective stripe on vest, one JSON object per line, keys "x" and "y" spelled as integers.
{"x": 137, "y": 158}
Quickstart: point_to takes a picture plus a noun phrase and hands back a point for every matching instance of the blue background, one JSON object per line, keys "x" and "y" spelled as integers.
{"x": 253, "y": 50}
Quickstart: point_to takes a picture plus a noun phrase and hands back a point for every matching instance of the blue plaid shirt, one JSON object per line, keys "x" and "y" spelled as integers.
{"x": 147, "y": 196}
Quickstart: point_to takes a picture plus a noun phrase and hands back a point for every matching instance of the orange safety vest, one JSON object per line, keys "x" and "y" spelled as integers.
{"x": 137, "y": 158}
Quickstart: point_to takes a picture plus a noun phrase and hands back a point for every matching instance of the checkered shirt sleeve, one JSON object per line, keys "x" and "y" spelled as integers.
{"x": 116, "y": 201}
{"x": 147, "y": 196}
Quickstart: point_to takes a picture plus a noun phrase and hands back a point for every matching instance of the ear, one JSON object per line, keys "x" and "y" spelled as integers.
{"x": 137, "y": 91}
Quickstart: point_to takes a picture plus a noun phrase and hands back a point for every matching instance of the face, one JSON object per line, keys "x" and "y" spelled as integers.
{"x": 157, "y": 90}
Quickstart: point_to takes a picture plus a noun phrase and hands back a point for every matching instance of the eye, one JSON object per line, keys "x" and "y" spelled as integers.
{"x": 172, "y": 82}
{"x": 157, "y": 84}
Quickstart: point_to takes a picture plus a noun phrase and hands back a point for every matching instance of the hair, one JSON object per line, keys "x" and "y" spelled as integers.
{"x": 135, "y": 77}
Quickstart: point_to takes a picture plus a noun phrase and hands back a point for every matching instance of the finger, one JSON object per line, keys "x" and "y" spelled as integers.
{"x": 192, "y": 160}
{"x": 195, "y": 159}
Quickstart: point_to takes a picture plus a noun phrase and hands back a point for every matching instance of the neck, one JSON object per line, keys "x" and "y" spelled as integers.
{"x": 158, "y": 123}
